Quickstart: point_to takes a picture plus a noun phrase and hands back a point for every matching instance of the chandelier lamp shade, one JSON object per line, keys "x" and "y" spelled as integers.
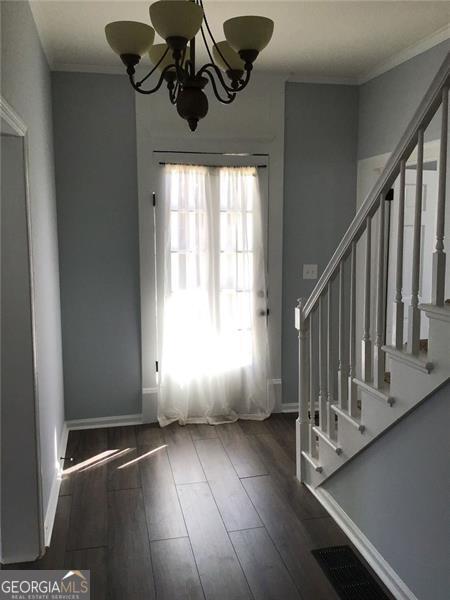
{"x": 179, "y": 22}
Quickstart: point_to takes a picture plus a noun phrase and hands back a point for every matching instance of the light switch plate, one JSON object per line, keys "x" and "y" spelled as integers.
{"x": 309, "y": 271}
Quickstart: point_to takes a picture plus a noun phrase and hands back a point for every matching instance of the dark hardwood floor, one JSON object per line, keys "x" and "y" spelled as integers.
{"x": 190, "y": 513}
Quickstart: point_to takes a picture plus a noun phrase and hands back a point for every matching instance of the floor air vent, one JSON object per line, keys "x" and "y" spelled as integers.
{"x": 346, "y": 573}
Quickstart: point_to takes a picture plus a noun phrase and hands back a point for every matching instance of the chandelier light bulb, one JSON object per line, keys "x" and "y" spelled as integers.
{"x": 227, "y": 58}
{"x": 248, "y": 33}
{"x": 176, "y": 19}
{"x": 129, "y": 37}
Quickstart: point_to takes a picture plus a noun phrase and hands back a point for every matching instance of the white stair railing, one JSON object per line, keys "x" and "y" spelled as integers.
{"x": 438, "y": 285}
{"x": 319, "y": 368}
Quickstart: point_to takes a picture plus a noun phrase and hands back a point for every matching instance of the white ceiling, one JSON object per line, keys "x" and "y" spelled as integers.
{"x": 335, "y": 40}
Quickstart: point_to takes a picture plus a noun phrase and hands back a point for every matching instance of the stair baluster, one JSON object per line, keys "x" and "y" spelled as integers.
{"x": 322, "y": 371}
{"x": 366, "y": 355}
{"x": 313, "y": 450}
{"x": 379, "y": 357}
{"x": 398, "y": 316}
{"x": 352, "y": 394}
{"x": 342, "y": 368}
{"x": 414, "y": 311}
{"x": 303, "y": 421}
{"x": 331, "y": 421}
{"x": 439, "y": 258}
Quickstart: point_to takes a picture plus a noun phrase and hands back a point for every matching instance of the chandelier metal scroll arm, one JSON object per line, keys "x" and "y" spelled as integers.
{"x": 212, "y": 38}
{"x": 173, "y": 92}
{"x": 137, "y": 88}
{"x": 230, "y": 96}
{"x": 205, "y": 42}
{"x": 232, "y": 90}
{"x": 243, "y": 82}
{"x": 139, "y": 83}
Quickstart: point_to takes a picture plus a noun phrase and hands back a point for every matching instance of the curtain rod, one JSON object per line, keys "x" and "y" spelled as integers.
{"x": 243, "y": 155}
{"x": 215, "y": 166}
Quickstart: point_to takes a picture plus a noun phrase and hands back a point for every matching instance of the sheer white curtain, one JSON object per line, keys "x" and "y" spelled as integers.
{"x": 213, "y": 327}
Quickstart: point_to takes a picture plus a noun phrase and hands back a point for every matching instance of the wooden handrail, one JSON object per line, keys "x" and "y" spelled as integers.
{"x": 422, "y": 117}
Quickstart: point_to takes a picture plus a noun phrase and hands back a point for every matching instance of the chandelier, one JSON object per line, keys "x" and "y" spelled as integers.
{"x": 178, "y": 22}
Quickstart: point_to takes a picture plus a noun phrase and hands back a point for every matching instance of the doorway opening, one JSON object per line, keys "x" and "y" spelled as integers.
{"x": 212, "y": 297}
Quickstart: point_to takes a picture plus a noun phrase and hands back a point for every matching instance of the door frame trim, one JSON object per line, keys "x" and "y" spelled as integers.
{"x": 20, "y": 128}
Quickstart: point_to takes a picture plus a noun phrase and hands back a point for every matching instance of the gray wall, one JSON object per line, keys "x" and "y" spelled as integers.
{"x": 396, "y": 492}
{"x": 95, "y": 150}
{"x": 388, "y": 102}
{"x": 26, "y": 86}
{"x": 319, "y": 194}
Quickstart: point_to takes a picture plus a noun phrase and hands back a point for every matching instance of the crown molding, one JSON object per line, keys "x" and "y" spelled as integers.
{"x": 439, "y": 36}
{"x": 294, "y": 78}
{"x": 426, "y": 43}
{"x": 77, "y": 68}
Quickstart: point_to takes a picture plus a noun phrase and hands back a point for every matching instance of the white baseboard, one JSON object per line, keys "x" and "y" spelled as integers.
{"x": 98, "y": 422}
{"x": 274, "y": 394}
{"x": 68, "y": 426}
{"x": 289, "y": 407}
{"x": 381, "y": 567}
{"x": 54, "y": 492}
{"x": 150, "y": 405}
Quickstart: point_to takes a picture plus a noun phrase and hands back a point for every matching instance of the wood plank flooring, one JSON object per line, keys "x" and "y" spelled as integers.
{"x": 190, "y": 513}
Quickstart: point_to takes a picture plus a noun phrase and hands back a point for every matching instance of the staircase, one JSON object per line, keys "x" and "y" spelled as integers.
{"x": 353, "y": 382}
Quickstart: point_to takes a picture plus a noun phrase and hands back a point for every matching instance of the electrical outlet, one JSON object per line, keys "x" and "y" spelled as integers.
{"x": 309, "y": 271}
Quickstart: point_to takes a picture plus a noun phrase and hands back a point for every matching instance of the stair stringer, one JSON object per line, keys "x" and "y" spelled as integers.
{"x": 377, "y": 421}
{"x": 331, "y": 462}
{"x": 346, "y": 520}
{"x": 413, "y": 379}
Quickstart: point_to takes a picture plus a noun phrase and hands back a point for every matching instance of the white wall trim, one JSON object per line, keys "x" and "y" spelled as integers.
{"x": 98, "y": 422}
{"x": 421, "y": 46}
{"x": 19, "y": 127}
{"x": 297, "y": 78}
{"x": 289, "y": 407}
{"x": 12, "y": 118}
{"x": 54, "y": 492}
{"x": 79, "y": 68}
{"x": 274, "y": 398}
{"x": 381, "y": 567}
{"x": 62, "y": 448}
{"x": 117, "y": 69}
{"x": 150, "y": 398}
{"x": 150, "y": 390}
{"x": 426, "y": 43}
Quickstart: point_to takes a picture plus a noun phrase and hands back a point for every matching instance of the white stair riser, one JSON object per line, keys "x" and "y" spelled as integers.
{"x": 408, "y": 385}
{"x": 329, "y": 460}
{"x": 375, "y": 414}
{"x": 310, "y": 475}
{"x": 439, "y": 344}
{"x": 350, "y": 439}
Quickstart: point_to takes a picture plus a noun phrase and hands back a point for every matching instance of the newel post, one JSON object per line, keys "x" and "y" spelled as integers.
{"x": 302, "y": 424}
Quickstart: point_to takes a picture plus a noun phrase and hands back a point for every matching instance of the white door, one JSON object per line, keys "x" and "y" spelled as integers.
{"x": 212, "y": 298}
